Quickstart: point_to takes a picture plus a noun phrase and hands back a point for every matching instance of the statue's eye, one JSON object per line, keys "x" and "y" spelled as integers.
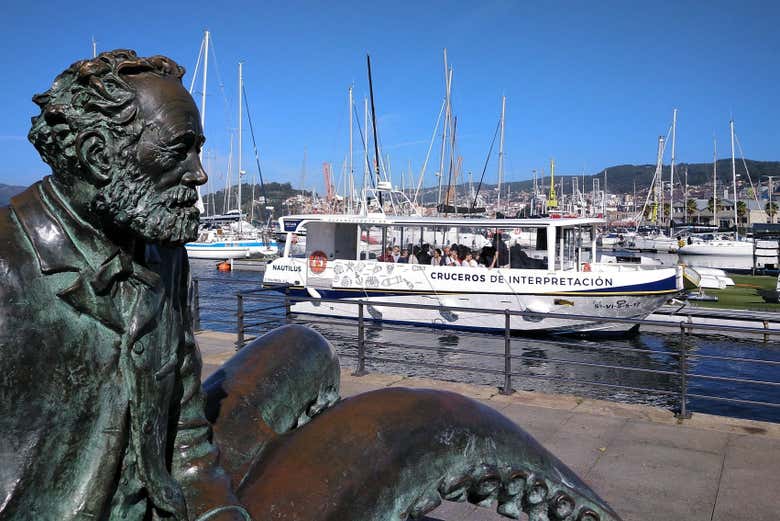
{"x": 179, "y": 151}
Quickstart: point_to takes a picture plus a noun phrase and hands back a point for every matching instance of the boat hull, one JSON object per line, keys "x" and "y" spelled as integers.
{"x": 216, "y": 253}
{"x": 719, "y": 248}
{"x": 624, "y": 307}
{"x": 480, "y": 294}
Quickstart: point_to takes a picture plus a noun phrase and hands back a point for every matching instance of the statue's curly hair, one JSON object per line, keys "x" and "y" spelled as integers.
{"x": 92, "y": 96}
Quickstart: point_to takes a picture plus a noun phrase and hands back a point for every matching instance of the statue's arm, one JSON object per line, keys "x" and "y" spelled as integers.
{"x": 195, "y": 465}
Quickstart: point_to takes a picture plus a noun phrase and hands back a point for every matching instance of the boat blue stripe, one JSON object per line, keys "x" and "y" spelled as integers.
{"x": 668, "y": 284}
{"x": 236, "y": 244}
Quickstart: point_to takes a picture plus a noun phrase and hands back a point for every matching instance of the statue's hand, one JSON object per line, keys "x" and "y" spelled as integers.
{"x": 226, "y": 513}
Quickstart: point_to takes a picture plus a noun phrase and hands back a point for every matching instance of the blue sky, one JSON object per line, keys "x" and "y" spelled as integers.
{"x": 592, "y": 84}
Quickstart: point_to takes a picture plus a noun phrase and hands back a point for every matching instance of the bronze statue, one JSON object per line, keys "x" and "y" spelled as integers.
{"x": 102, "y": 414}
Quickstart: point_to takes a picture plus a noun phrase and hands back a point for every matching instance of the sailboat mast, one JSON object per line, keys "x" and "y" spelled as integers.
{"x": 365, "y": 157}
{"x": 501, "y": 154}
{"x": 199, "y": 204}
{"x": 715, "y": 183}
{"x": 671, "y": 173}
{"x": 206, "y": 37}
{"x": 373, "y": 124}
{"x": 351, "y": 165}
{"x": 447, "y": 80}
{"x": 658, "y": 179}
{"x": 552, "y": 201}
{"x": 734, "y": 181}
{"x": 240, "y": 138}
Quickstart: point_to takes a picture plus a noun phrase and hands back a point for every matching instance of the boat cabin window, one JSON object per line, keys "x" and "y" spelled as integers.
{"x": 476, "y": 245}
{"x": 540, "y": 247}
{"x": 335, "y": 240}
{"x": 297, "y": 245}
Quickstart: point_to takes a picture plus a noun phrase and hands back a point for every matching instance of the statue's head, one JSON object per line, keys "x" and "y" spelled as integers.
{"x": 126, "y": 128}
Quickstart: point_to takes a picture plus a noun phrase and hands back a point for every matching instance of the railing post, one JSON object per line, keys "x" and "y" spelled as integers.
{"x": 507, "y": 389}
{"x": 766, "y": 326}
{"x": 683, "y": 414}
{"x": 239, "y": 321}
{"x": 195, "y": 305}
{"x": 361, "y": 367}
{"x": 286, "y": 303}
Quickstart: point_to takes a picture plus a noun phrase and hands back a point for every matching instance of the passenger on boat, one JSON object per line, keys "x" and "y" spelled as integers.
{"x": 486, "y": 256}
{"x": 446, "y": 257}
{"x": 425, "y": 254}
{"x": 437, "y": 259}
{"x": 396, "y": 253}
{"x": 387, "y": 257}
{"x": 414, "y": 258}
{"x": 454, "y": 260}
{"x": 501, "y": 256}
{"x": 469, "y": 261}
{"x": 404, "y": 258}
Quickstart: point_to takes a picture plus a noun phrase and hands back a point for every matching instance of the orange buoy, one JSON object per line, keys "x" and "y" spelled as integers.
{"x": 224, "y": 266}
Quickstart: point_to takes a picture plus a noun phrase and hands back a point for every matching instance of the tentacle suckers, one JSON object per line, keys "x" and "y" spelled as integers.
{"x": 395, "y": 454}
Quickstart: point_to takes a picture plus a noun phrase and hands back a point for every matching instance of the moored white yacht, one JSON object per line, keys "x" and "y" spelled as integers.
{"x": 717, "y": 245}
{"x": 230, "y": 239}
{"x": 556, "y": 275}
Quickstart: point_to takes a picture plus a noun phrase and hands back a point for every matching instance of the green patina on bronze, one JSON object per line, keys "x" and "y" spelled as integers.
{"x": 102, "y": 413}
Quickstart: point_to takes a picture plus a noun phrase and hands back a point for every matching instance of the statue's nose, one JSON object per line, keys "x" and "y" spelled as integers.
{"x": 195, "y": 175}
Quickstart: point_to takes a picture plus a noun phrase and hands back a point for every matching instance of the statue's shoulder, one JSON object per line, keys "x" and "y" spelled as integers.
{"x": 23, "y": 223}
{"x": 15, "y": 247}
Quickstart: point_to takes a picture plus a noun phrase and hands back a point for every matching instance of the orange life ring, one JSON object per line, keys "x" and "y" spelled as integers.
{"x": 318, "y": 261}
{"x": 586, "y": 266}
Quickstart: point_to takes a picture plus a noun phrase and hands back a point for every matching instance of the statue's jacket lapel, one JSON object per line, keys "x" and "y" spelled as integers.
{"x": 135, "y": 391}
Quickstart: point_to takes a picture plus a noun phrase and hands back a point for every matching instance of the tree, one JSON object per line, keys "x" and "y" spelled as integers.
{"x": 771, "y": 210}
{"x": 691, "y": 208}
{"x": 741, "y": 210}
{"x": 710, "y": 204}
{"x": 741, "y": 213}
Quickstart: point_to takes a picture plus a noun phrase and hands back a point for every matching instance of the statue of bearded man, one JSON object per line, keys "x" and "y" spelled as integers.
{"x": 102, "y": 413}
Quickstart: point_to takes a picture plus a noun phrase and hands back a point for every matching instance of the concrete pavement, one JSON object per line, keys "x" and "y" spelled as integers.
{"x": 642, "y": 460}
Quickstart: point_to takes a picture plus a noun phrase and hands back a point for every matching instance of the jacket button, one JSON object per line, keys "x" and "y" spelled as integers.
{"x": 147, "y": 427}
{"x": 138, "y": 347}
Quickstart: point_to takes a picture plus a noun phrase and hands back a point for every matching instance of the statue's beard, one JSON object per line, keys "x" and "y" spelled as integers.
{"x": 133, "y": 203}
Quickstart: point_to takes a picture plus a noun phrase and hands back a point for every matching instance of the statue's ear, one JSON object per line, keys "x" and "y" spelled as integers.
{"x": 94, "y": 151}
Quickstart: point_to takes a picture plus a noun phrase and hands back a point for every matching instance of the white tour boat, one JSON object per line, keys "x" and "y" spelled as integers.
{"x": 555, "y": 275}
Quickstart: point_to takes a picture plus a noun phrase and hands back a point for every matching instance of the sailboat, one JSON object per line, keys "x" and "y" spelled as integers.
{"x": 227, "y": 236}
{"x": 653, "y": 238}
{"x": 720, "y": 244}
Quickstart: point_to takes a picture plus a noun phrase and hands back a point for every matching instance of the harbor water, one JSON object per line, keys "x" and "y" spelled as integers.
{"x": 546, "y": 363}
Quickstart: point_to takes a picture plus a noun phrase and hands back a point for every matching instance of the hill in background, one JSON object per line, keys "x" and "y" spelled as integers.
{"x": 8, "y": 191}
{"x": 621, "y": 178}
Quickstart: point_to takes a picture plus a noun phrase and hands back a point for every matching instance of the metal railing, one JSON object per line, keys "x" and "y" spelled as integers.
{"x": 260, "y": 309}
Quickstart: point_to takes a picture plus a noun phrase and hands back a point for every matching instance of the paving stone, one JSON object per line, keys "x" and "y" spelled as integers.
{"x": 583, "y": 439}
{"x": 540, "y": 422}
{"x": 750, "y": 485}
{"x": 644, "y": 481}
{"x": 678, "y": 436}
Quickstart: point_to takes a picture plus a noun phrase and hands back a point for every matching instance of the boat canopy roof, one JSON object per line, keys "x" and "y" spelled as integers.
{"x": 293, "y": 223}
